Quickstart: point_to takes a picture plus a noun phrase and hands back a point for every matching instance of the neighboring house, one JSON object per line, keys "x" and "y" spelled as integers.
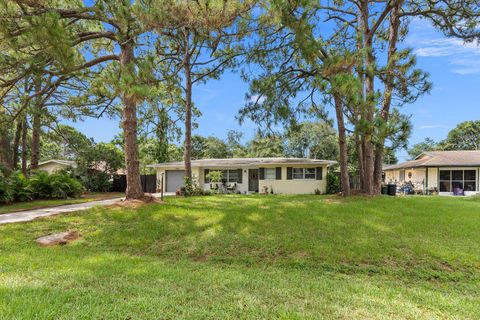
{"x": 249, "y": 175}
{"x": 442, "y": 171}
{"x": 53, "y": 165}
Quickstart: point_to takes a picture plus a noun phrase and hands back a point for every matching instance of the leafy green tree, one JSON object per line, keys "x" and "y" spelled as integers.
{"x": 465, "y": 136}
{"x": 201, "y": 46}
{"x": 234, "y": 144}
{"x": 99, "y": 39}
{"x": 316, "y": 140}
{"x": 98, "y": 165}
{"x": 64, "y": 142}
{"x": 426, "y": 145}
{"x": 265, "y": 146}
{"x": 356, "y": 66}
{"x": 209, "y": 148}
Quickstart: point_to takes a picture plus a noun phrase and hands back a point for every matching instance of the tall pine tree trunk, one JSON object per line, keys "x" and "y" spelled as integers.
{"x": 132, "y": 164}
{"x": 361, "y": 167}
{"x": 342, "y": 141}
{"x": 36, "y": 126}
{"x": 187, "y": 153}
{"x": 5, "y": 152}
{"x": 24, "y": 145}
{"x": 388, "y": 91}
{"x": 16, "y": 143}
{"x": 368, "y": 148}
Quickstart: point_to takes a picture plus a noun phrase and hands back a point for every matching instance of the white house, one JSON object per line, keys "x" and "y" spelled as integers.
{"x": 53, "y": 165}
{"x": 249, "y": 175}
{"x": 441, "y": 171}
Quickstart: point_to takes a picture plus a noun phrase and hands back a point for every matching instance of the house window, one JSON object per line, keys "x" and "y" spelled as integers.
{"x": 230, "y": 175}
{"x": 270, "y": 174}
{"x": 462, "y": 179}
{"x": 304, "y": 173}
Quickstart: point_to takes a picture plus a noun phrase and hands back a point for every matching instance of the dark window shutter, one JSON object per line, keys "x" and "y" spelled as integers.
{"x": 240, "y": 175}
{"x": 319, "y": 173}
{"x": 261, "y": 174}
{"x": 278, "y": 173}
{"x": 289, "y": 173}
{"x": 206, "y": 171}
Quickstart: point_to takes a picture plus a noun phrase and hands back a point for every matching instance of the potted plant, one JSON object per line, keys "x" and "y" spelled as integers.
{"x": 215, "y": 177}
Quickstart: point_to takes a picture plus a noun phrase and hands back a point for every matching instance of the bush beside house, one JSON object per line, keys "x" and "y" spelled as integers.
{"x": 14, "y": 186}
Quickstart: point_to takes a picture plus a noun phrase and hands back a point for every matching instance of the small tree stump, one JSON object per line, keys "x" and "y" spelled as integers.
{"x": 58, "y": 238}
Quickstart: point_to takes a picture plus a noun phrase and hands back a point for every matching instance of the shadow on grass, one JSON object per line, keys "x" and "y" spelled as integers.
{"x": 397, "y": 237}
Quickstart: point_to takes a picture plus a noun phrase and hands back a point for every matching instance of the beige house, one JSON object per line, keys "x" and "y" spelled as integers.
{"x": 53, "y": 165}
{"x": 250, "y": 175}
{"x": 445, "y": 172}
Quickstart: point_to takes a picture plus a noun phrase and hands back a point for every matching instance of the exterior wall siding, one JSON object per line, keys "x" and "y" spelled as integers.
{"x": 282, "y": 186}
{"x": 52, "y": 167}
{"x": 433, "y": 177}
{"x": 285, "y": 186}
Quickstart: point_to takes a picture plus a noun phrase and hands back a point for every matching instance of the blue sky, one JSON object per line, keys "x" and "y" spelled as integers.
{"x": 454, "y": 69}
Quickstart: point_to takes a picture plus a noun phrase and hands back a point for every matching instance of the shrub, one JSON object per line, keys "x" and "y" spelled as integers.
{"x": 215, "y": 176}
{"x": 97, "y": 181}
{"x": 189, "y": 186}
{"x": 6, "y": 191}
{"x": 333, "y": 183}
{"x": 56, "y": 185}
{"x": 20, "y": 185}
{"x": 13, "y": 186}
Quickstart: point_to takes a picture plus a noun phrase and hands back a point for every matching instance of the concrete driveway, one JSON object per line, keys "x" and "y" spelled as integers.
{"x": 30, "y": 215}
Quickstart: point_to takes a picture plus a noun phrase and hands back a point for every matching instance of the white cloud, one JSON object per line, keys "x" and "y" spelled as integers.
{"x": 463, "y": 58}
{"x": 445, "y": 47}
{"x": 466, "y": 66}
{"x": 433, "y": 126}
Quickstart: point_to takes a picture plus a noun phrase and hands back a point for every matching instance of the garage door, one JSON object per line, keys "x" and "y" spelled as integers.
{"x": 175, "y": 180}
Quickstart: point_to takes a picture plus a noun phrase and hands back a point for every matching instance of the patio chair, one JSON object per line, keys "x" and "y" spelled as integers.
{"x": 231, "y": 187}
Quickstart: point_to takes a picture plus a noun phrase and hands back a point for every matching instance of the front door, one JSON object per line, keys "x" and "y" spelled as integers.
{"x": 253, "y": 180}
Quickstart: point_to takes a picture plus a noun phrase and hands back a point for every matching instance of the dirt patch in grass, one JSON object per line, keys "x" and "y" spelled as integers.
{"x": 201, "y": 258}
{"x": 136, "y": 203}
{"x": 58, "y": 239}
{"x": 333, "y": 201}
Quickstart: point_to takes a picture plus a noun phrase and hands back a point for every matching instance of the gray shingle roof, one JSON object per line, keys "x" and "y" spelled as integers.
{"x": 441, "y": 159}
{"x": 244, "y": 162}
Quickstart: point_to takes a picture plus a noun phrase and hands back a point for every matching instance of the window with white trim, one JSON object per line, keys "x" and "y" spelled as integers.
{"x": 230, "y": 175}
{"x": 304, "y": 173}
{"x": 270, "y": 173}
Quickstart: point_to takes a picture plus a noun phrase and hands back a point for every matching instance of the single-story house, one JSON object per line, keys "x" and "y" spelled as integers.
{"x": 250, "y": 175}
{"x": 53, "y": 165}
{"x": 442, "y": 171}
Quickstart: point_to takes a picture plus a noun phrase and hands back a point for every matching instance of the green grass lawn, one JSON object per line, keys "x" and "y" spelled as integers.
{"x": 250, "y": 257}
{"x": 38, "y": 204}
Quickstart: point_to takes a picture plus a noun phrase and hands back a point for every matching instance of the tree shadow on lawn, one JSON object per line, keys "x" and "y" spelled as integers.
{"x": 307, "y": 232}
{"x": 121, "y": 285}
{"x": 267, "y": 250}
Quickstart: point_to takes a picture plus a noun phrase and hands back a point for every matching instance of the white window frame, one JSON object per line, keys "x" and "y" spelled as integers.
{"x": 228, "y": 175}
{"x": 304, "y": 174}
{"x": 272, "y": 172}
